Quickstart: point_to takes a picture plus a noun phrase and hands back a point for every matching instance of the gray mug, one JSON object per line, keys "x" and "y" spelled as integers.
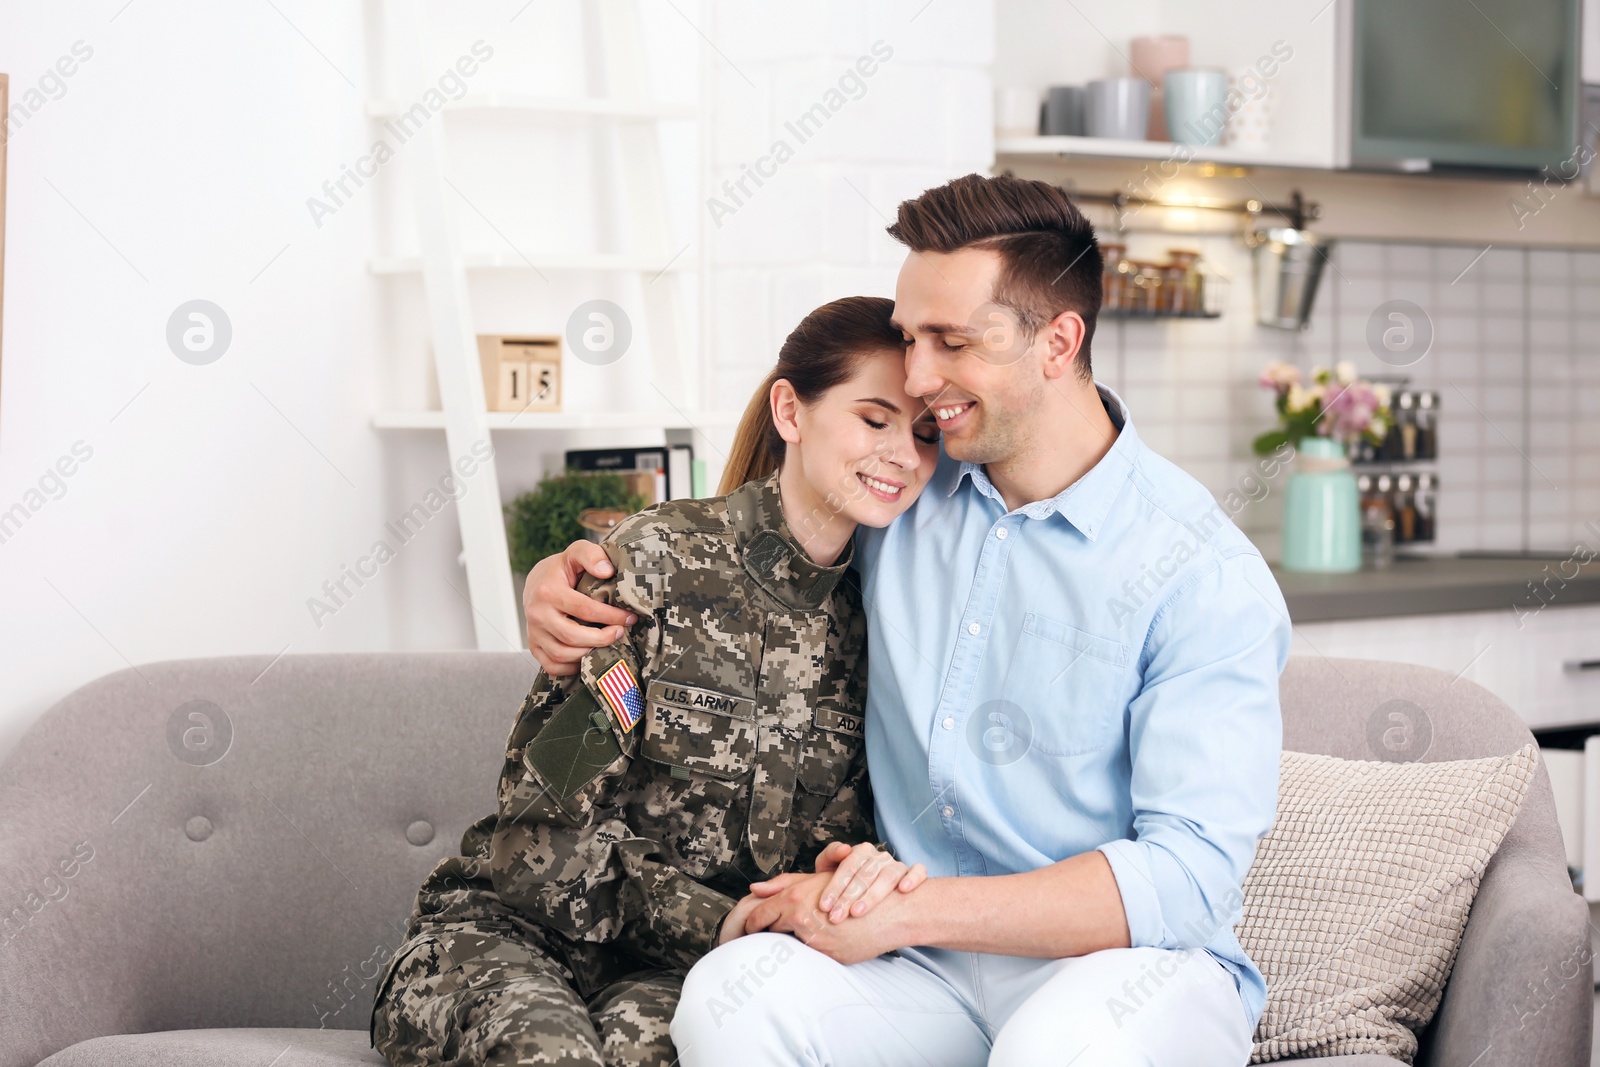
{"x": 1063, "y": 111}
{"x": 1118, "y": 108}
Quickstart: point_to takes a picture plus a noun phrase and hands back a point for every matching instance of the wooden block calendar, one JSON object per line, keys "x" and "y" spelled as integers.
{"x": 521, "y": 373}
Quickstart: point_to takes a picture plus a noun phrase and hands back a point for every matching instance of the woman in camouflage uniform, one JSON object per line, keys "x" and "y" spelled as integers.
{"x": 718, "y": 747}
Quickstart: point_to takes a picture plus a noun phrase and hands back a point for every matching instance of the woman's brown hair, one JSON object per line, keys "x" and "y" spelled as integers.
{"x": 821, "y": 352}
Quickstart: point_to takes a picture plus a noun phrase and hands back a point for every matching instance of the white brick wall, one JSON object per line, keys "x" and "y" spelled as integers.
{"x": 813, "y": 231}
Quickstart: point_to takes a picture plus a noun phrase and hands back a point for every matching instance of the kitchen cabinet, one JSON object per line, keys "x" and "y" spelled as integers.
{"x": 1352, "y": 84}
{"x": 1523, "y": 659}
{"x": 1435, "y": 85}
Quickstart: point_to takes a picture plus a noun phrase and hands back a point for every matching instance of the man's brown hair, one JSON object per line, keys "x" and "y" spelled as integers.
{"x": 1050, "y": 260}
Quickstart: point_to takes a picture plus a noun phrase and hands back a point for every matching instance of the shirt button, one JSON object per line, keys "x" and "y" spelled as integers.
{"x": 950, "y": 723}
{"x": 973, "y": 629}
{"x": 1002, "y": 533}
{"x": 947, "y": 811}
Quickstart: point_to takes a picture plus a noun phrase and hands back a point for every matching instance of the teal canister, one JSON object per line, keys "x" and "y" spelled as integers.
{"x": 1321, "y": 510}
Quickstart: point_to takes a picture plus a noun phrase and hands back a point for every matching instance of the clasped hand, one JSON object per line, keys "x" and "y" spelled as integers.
{"x": 828, "y": 909}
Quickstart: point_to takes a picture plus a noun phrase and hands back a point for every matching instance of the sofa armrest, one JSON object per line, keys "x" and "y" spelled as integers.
{"x": 52, "y": 958}
{"x": 1522, "y": 990}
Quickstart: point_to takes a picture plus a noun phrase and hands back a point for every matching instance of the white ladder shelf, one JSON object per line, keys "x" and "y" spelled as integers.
{"x": 465, "y": 418}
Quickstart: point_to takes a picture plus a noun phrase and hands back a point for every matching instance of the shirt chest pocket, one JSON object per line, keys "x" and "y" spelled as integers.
{"x": 699, "y": 730}
{"x": 1068, "y": 686}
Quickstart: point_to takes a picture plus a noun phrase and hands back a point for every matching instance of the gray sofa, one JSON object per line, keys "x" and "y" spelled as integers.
{"x": 169, "y": 907}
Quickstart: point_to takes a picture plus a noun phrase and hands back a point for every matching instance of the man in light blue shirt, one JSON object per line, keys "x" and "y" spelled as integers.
{"x": 1072, "y": 711}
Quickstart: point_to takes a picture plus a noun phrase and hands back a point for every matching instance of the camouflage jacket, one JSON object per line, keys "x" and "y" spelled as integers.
{"x": 721, "y": 743}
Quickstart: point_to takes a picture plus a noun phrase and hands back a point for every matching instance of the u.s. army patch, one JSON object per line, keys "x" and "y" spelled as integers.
{"x": 688, "y": 696}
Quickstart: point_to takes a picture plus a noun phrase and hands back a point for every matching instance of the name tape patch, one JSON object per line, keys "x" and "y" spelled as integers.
{"x": 676, "y": 695}
{"x": 838, "y": 721}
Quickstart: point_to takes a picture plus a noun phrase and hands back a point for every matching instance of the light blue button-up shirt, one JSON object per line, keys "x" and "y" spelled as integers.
{"x": 1094, "y": 671}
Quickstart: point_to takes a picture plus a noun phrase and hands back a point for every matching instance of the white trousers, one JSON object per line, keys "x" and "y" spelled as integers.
{"x": 766, "y": 1000}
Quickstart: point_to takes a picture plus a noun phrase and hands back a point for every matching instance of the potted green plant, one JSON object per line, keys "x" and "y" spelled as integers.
{"x": 544, "y": 520}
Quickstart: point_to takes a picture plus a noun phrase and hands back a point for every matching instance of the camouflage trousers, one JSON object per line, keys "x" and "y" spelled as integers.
{"x": 459, "y": 995}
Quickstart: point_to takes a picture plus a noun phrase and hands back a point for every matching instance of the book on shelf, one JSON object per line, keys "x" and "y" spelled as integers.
{"x": 659, "y": 472}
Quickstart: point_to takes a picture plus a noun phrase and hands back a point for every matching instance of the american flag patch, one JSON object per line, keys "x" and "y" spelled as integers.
{"x": 622, "y": 692}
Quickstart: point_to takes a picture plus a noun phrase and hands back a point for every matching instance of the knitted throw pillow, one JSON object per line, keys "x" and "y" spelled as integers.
{"x": 1356, "y": 902}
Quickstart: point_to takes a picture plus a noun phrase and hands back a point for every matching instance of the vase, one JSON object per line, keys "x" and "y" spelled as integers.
{"x": 1321, "y": 510}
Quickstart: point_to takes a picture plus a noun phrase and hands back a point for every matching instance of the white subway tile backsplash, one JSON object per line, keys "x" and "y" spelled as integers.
{"x": 1549, "y": 333}
{"x": 1506, "y": 264}
{"x": 1148, "y": 401}
{"x": 1545, "y": 502}
{"x": 1503, "y": 469}
{"x": 1503, "y": 365}
{"x": 1458, "y": 507}
{"x": 1464, "y": 295}
{"x": 1163, "y": 437}
{"x": 1585, "y": 299}
{"x": 1361, "y": 296}
{"x": 1498, "y": 533}
{"x": 1501, "y": 331}
{"x": 1359, "y": 258}
{"x": 1457, "y": 467}
{"x": 1549, "y": 265}
{"x": 1503, "y": 297}
{"x": 1549, "y": 533}
{"x": 1550, "y": 298}
{"x": 1517, "y": 370}
{"x": 1586, "y": 266}
{"x": 1452, "y": 262}
{"x": 1409, "y": 261}
{"x": 1550, "y": 405}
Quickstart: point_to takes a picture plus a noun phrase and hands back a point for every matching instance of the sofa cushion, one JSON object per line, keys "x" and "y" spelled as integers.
{"x": 1356, "y": 902}
{"x": 223, "y": 1048}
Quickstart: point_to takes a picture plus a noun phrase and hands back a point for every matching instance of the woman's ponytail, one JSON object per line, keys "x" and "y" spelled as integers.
{"x": 752, "y": 454}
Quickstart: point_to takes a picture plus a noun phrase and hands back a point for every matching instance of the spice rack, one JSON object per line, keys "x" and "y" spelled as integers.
{"x": 1184, "y": 287}
{"x": 1399, "y": 503}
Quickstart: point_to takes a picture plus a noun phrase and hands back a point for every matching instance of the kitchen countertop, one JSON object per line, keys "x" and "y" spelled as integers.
{"x": 1418, "y": 585}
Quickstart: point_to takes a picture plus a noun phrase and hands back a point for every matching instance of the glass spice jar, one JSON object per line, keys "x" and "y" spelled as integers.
{"x": 1146, "y": 297}
{"x": 1377, "y": 520}
{"x": 1427, "y": 421}
{"x": 1114, "y": 278}
{"x": 1405, "y": 510}
{"x": 1175, "y": 290}
{"x": 1426, "y": 502}
{"x": 1187, "y": 261}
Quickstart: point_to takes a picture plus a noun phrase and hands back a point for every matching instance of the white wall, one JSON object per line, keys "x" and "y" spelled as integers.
{"x": 219, "y": 498}
{"x": 814, "y": 231}
{"x": 175, "y": 166}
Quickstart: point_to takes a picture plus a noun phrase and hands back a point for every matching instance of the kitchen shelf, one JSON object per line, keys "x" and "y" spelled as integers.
{"x": 549, "y": 105}
{"x": 566, "y": 420}
{"x": 541, "y": 261}
{"x": 1034, "y": 148}
{"x": 1155, "y": 316}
